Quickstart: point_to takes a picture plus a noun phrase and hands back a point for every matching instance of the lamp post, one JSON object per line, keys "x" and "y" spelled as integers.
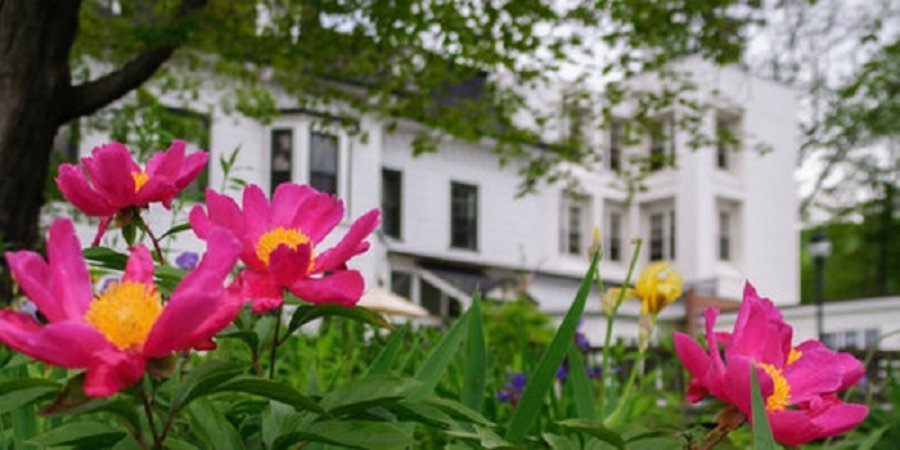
{"x": 819, "y": 249}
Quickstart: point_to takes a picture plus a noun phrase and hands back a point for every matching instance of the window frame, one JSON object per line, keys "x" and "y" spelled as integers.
{"x": 337, "y": 162}
{"x": 472, "y": 222}
{"x": 569, "y": 235}
{"x": 386, "y": 209}
{"x": 273, "y": 137}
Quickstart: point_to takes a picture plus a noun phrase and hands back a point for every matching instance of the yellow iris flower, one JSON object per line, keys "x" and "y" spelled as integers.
{"x": 658, "y": 285}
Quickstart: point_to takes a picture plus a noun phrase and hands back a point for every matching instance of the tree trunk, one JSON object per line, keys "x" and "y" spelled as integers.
{"x": 35, "y": 39}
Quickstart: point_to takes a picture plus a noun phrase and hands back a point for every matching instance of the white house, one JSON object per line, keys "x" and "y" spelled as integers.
{"x": 452, "y": 220}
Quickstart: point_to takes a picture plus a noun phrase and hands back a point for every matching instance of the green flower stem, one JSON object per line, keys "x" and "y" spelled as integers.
{"x": 610, "y": 319}
{"x": 615, "y": 418}
{"x": 276, "y": 340}
{"x": 148, "y": 410}
{"x": 146, "y": 229}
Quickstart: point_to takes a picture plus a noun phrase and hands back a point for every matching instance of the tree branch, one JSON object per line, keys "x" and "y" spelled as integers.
{"x": 88, "y": 97}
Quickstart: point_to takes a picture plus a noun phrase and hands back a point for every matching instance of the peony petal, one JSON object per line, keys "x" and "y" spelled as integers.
{"x": 288, "y": 201}
{"x": 737, "y": 381}
{"x": 140, "y": 266}
{"x": 351, "y": 245}
{"x": 257, "y": 214}
{"x": 692, "y": 355}
{"x": 102, "y": 227}
{"x": 319, "y": 214}
{"x": 191, "y": 168}
{"x": 70, "y": 280}
{"x": 33, "y": 275}
{"x": 74, "y": 187}
{"x": 261, "y": 291}
{"x": 807, "y": 377}
{"x": 199, "y": 221}
{"x": 850, "y": 368}
{"x": 198, "y": 300}
{"x": 167, "y": 165}
{"x": 287, "y": 266}
{"x": 110, "y": 168}
{"x": 792, "y": 427}
{"x": 66, "y": 344}
{"x": 157, "y": 189}
{"x": 342, "y": 288}
{"x": 111, "y": 371}
{"x": 839, "y": 419}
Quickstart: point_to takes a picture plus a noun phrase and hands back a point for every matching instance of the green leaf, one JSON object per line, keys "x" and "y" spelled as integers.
{"x": 368, "y": 392}
{"x": 595, "y": 429}
{"x": 423, "y": 413}
{"x": 762, "y": 433}
{"x": 483, "y": 438}
{"x": 306, "y": 313}
{"x": 106, "y": 257}
{"x": 436, "y": 363}
{"x": 213, "y": 427}
{"x": 203, "y": 380}
{"x": 873, "y": 438}
{"x": 15, "y": 394}
{"x": 385, "y": 359}
{"x": 119, "y": 408}
{"x": 354, "y": 434}
{"x": 80, "y": 434}
{"x": 247, "y": 337}
{"x": 540, "y": 381}
{"x": 475, "y": 375}
{"x": 129, "y": 233}
{"x": 458, "y": 410}
{"x": 175, "y": 230}
{"x": 557, "y": 442}
{"x": 582, "y": 388}
{"x": 272, "y": 390}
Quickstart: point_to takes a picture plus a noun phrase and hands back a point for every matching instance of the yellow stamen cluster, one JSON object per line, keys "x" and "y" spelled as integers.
{"x": 125, "y": 313}
{"x": 794, "y": 355}
{"x": 781, "y": 394}
{"x": 270, "y": 241}
{"x": 140, "y": 179}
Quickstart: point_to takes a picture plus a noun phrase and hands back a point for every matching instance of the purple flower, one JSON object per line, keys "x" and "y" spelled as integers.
{"x": 517, "y": 380}
{"x": 513, "y": 389}
{"x": 594, "y": 372}
{"x": 582, "y": 341}
{"x": 562, "y": 373}
{"x": 187, "y": 260}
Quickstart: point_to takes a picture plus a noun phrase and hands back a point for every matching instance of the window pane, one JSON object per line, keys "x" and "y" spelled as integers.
{"x": 872, "y": 337}
{"x": 323, "y": 162}
{"x": 614, "y": 251}
{"x": 615, "y": 146}
{"x": 724, "y": 236}
{"x": 657, "y": 241}
{"x": 282, "y": 156}
{"x": 401, "y": 284}
{"x": 463, "y": 216}
{"x": 391, "y": 202}
{"x": 671, "y": 235}
{"x": 721, "y": 144}
{"x": 574, "y": 235}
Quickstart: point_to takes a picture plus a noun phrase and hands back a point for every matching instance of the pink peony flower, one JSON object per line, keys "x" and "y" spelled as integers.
{"x": 798, "y": 383}
{"x": 115, "y": 182}
{"x": 280, "y": 244}
{"x": 114, "y": 334}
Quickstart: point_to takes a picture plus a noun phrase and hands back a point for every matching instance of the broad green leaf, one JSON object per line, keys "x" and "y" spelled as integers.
{"x": 106, "y": 257}
{"x": 483, "y": 438}
{"x": 762, "y": 433}
{"x": 582, "y": 389}
{"x": 212, "y": 426}
{"x": 306, "y": 313}
{"x": 458, "y": 410}
{"x": 557, "y": 442}
{"x": 540, "y": 381}
{"x": 80, "y": 434}
{"x": 595, "y": 429}
{"x": 121, "y": 409}
{"x": 354, "y": 434}
{"x": 873, "y": 438}
{"x": 436, "y": 363}
{"x": 368, "y": 392}
{"x": 15, "y": 394}
{"x": 420, "y": 412}
{"x": 475, "y": 375}
{"x": 203, "y": 380}
{"x": 247, "y": 337}
{"x": 385, "y": 359}
{"x": 273, "y": 390}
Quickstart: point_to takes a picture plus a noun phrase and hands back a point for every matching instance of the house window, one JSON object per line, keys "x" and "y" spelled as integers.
{"x": 662, "y": 143}
{"x": 851, "y": 339}
{"x": 391, "y": 202}
{"x": 282, "y": 157}
{"x": 871, "y": 337}
{"x": 727, "y": 133}
{"x": 323, "y": 162}
{"x": 401, "y": 283}
{"x": 724, "y": 236}
{"x": 463, "y": 216}
{"x": 573, "y": 224}
{"x": 662, "y": 235}
{"x": 614, "y": 239}
{"x": 615, "y": 146}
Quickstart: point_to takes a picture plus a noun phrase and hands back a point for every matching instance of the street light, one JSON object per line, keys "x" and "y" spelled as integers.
{"x": 819, "y": 249}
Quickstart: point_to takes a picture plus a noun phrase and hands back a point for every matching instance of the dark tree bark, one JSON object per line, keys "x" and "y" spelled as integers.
{"x": 37, "y": 97}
